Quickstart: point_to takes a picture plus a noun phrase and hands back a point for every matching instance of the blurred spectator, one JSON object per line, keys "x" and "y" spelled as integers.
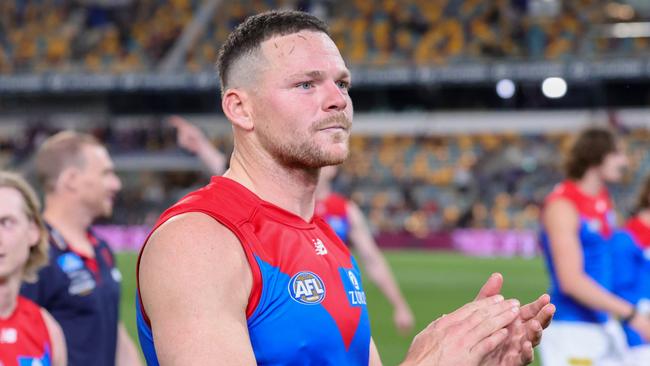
{"x": 412, "y": 183}
{"x": 128, "y": 36}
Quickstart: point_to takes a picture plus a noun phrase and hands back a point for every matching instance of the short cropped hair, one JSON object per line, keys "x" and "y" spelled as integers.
{"x": 59, "y": 152}
{"x": 38, "y": 254}
{"x": 588, "y": 150}
{"x": 247, "y": 36}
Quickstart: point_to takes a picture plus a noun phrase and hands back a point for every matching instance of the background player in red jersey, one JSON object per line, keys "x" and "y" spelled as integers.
{"x": 349, "y": 224}
{"x": 578, "y": 220}
{"x": 286, "y": 94}
{"x": 28, "y": 334}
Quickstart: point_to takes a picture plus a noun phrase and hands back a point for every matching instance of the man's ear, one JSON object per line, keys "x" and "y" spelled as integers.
{"x": 236, "y": 107}
{"x": 34, "y": 234}
{"x": 68, "y": 178}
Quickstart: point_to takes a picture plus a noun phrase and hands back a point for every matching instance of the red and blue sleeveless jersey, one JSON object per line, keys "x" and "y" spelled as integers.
{"x": 24, "y": 339}
{"x": 631, "y": 260}
{"x": 307, "y": 304}
{"x": 597, "y": 219}
{"x": 334, "y": 210}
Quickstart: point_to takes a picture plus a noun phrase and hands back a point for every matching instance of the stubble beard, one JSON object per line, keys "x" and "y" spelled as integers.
{"x": 302, "y": 153}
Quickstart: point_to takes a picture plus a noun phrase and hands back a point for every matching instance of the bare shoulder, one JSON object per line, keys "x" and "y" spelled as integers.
{"x": 195, "y": 282}
{"x": 193, "y": 250}
{"x": 559, "y": 209}
{"x": 194, "y": 236}
{"x": 190, "y": 227}
{"x": 50, "y": 323}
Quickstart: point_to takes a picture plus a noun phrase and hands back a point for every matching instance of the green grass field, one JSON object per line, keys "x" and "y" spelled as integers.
{"x": 434, "y": 283}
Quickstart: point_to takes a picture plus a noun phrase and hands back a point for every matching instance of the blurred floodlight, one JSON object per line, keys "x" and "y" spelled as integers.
{"x": 554, "y": 87}
{"x": 506, "y": 88}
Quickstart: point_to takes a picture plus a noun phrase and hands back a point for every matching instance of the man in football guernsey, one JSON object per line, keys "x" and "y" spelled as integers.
{"x": 80, "y": 286}
{"x": 349, "y": 224}
{"x": 631, "y": 273}
{"x": 577, "y": 222}
{"x": 28, "y": 334}
{"x": 241, "y": 272}
{"x": 342, "y": 215}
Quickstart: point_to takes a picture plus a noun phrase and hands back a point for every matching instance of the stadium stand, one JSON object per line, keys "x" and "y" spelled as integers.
{"x": 414, "y": 183}
{"x": 131, "y": 36}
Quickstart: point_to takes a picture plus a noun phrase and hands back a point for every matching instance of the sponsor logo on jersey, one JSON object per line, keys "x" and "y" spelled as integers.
{"x": 594, "y": 226}
{"x": 70, "y": 262}
{"x": 8, "y": 335}
{"x": 319, "y": 246}
{"x": 307, "y": 288}
{"x": 81, "y": 280}
{"x": 116, "y": 274}
{"x": 27, "y": 361}
{"x": 354, "y": 291}
{"x": 353, "y": 280}
{"x": 611, "y": 218}
{"x": 32, "y": 361}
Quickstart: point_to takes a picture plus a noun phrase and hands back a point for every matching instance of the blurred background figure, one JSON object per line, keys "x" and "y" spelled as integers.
{"x": 631, "y": 260}
{"x": 463, "y": 112}
{"x": 578, "y": 220}
{"x": 28, "y": 333}
{"x": 348, "y": 222}
{"x": 80, "y": 286}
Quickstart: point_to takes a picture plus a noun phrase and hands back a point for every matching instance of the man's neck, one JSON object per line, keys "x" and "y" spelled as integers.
{"x": 71, "y": 222}
{"x": 290, "y": 189}
{"x": 9, "y": 295}
{"x": 591, "y": 184}
{"x": 323, "y": 189}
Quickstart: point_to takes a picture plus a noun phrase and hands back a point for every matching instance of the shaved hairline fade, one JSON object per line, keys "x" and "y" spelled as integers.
{"x": 246, "y": 38}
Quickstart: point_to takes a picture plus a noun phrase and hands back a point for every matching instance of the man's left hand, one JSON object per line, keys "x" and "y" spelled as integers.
{"x": 525, "y": 332}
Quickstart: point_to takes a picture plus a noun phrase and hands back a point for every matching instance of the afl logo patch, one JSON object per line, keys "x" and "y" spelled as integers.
{"x": 307, "y": 288}
{"x": 70, "y": 262}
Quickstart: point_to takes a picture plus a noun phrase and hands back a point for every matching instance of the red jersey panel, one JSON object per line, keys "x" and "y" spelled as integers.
{"x": 640, "y": 231}
{"x": 24, "y": 339}
{"x": 307, "y": 304}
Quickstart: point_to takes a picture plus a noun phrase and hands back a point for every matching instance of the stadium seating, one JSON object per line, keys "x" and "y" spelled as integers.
{"x": 132, "y": 36}
{"x": 402, "y": 182}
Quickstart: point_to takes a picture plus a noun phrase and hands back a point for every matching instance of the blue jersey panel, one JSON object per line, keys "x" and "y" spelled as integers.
{"x": 631, "y": 276}
{"x": 293, "y": 332}
{"x": 145, "y": 336}
{"x": 597, "y": 265}
{"x": 340, "y": 225}
{"x": 297, "y": 333}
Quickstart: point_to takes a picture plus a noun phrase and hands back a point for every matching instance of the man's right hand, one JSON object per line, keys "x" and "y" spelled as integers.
{"x": 466, "y": 336}
{"x": 189, "y": 136}
{"x": 192, "y": 139}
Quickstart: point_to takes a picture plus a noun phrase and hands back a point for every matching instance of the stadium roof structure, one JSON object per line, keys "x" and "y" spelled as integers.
{"x": 462, "y": 73}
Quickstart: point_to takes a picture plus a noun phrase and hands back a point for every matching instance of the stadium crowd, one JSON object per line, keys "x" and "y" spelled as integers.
{"x": 417, "y": 184}
{"x": 133, "y": 36}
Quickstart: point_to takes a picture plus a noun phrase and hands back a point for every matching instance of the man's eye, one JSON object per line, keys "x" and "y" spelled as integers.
{"x": 343, "y": 84}
{"x": 305, "y": 85}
